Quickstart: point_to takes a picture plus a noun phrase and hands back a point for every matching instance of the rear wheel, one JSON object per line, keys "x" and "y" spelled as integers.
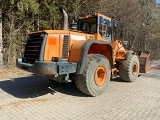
{"x": 129, "y": 69}
{"x": 96, "y": 75}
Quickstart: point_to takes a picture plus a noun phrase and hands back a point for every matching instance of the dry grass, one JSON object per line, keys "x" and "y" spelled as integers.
{"x": 12, "y": 72}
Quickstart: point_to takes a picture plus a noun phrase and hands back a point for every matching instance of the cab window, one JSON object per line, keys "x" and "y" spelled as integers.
{"x": 104, "y": 27}
{"x": 88, "y": 25}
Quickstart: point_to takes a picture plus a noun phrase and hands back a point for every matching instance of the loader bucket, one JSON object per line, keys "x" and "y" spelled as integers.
{"x": 144, "y": 61}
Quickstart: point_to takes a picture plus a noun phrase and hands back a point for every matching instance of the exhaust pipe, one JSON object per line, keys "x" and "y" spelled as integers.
{"x": 65, "y": 17}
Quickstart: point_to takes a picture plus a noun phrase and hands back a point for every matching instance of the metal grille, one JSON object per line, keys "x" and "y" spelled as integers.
{"x": 33, "y": 48}
{"x": 65, "y": 47}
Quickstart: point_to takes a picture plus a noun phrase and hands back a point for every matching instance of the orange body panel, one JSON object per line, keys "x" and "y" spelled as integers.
{"x": 98, "y": 36}
{"x": 119, "y": 53}
{"x": 54, "y": 43}
{"x": 75, "y": 51}
{"x": 52, "y": 47}
{"x": 102, "y": 49}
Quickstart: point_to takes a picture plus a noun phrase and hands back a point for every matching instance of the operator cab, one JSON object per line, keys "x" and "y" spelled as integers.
{"x": 98, "y": 25}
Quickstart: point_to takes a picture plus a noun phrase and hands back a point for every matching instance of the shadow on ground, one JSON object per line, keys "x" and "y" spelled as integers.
{"x": 35, "y": 86}
{"x": 117, "y": 79}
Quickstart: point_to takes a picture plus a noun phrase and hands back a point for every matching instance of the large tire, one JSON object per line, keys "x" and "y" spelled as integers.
{"x": 129, "y": 69}
{"x": 96, "y": 75}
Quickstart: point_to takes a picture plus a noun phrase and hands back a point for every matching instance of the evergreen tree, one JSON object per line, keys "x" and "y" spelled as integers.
{"x": 139, "y": 21}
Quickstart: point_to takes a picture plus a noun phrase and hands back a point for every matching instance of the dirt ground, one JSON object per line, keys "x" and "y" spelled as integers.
{"x": 12, "y": 72}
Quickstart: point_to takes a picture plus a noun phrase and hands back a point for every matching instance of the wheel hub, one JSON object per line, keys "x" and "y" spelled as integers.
{"x": 135, "y": 69}
{"x": 100, "y": 76}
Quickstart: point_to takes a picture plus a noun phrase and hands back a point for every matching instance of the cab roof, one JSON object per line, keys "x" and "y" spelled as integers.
{"x": 96, "y": 14}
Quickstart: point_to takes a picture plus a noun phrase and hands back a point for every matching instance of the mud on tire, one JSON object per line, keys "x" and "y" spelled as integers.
{"x": 96, "y": 75}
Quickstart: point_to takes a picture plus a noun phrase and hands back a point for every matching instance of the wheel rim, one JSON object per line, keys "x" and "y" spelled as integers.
{"x": 100, "y": 76}
{"x": 135, "y": 69}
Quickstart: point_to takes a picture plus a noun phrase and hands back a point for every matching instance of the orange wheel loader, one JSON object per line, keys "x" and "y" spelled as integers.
{"x": 85, "y": 54}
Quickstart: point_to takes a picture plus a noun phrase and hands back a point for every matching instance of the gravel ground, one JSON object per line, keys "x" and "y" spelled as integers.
{"x": 35, "y": 98}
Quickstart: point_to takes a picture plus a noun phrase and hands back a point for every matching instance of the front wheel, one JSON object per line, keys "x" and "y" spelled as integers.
{"x": 96, "y": 75}
{"x": 129, "y": 69}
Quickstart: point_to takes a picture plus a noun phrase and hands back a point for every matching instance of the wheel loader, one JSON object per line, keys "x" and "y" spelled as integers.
{"x": 85, "y": 54}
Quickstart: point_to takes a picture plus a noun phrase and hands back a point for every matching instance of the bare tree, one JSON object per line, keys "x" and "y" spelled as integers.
{"x": 1, "y": 46}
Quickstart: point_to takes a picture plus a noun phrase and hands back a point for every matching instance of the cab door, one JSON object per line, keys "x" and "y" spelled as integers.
{"x": 104, "y": 28}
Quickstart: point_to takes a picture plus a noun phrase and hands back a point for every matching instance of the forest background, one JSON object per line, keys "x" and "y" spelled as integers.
{"x": 138, "y": 21}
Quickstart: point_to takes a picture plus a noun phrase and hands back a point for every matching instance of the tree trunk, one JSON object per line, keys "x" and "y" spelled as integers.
{"x": 1, "y": 46}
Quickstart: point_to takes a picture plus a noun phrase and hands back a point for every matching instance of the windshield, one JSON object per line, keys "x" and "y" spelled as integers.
{"x": 88, "y": 25}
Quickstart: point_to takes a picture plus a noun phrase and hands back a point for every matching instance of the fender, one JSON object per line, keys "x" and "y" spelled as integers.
{"x": 84, "y": 51}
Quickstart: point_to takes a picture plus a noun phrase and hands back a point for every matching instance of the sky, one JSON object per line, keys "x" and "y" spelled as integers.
{"x": 158, "y": 1}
